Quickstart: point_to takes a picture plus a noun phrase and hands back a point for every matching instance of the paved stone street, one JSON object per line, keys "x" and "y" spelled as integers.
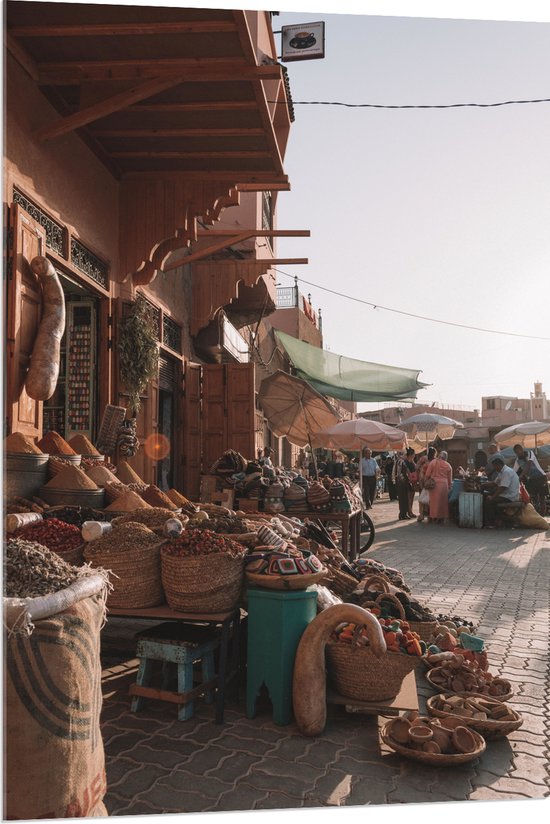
{"x": 499, "y": 579}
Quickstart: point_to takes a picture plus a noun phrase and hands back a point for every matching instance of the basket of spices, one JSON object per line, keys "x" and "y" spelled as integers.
{"x": 73, "y": 487}
{"x": 57, "y": 536}
{"x": 357, "y": 673}
{"x": 154, "y": 517}
{"x": 131, "y": 552}
{"x": 488, "y": 716}
{"x": 58, "y": 448}
{"x": 84, "y": 447}
{"x": 202, "y": 572}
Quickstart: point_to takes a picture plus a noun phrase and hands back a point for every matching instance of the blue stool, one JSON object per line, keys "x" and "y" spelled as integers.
{"x": 276, "y": 622}
{"x": 174, "y": 644}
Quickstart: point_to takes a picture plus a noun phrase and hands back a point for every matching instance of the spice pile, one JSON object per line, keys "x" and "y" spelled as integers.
{"x": 121, "y": 539}
{"x": 129, "y": 501}
{"x": 154, "y": 518}
{"x": 202, "y": 542}
{"x": 76, "y": 515}
{"x": 157, "y": 498}
{"x": 225, "y": 525}
{"x": 127, "y": 475}
{"x": 397, "y": 635}
{"x": 82, "y": 445}
{"x": 101, "y": 475}
{"x": 71, "y": 478}
{"x": 20, "y": 444}
{"x": 53, "y": 444}
{"x": 31, "y": 570}
{"x": 53, "y": 533}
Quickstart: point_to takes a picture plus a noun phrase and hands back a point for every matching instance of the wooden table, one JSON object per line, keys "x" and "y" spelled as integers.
{"x": 230, "y": 625}
{"x": 405, "y": 700}
{"x": 350, "y": 524}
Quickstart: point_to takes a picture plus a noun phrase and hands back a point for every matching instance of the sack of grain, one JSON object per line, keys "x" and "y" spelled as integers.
{"x": 54, "y": 759}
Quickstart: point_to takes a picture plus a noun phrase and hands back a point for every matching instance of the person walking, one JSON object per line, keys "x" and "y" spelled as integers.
{"x": 388, "y": 471}
{"x": 369, "y": 474}
{"x": 421, "y": 466}
{"x": 441, "y": 472}
{"x": 402, "y": 470}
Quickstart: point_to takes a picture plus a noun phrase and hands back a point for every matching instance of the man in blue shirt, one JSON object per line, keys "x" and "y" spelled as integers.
{"x": 369, "y": 472}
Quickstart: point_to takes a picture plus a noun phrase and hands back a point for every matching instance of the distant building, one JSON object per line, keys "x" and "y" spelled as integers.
{"x": 504, "y": 410}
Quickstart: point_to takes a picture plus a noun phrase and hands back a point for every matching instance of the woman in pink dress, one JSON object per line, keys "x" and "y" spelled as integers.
{"x": 442, "y": 473}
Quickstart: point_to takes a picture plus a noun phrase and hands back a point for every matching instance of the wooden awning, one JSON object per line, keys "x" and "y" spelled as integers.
{"x": 161, "y": 91}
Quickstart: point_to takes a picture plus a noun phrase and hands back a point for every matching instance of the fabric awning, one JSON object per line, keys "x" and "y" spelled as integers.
{"x": 347, "y": 378}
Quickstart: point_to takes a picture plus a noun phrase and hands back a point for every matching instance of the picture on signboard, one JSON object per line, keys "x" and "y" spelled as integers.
{"x": 305, "y": 41}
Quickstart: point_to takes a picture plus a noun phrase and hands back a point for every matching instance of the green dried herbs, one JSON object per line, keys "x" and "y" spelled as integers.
{"x": 138, "y": 350}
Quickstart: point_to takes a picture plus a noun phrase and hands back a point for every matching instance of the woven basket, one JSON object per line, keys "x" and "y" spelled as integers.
{"x": 75, "y": 556}
{"x": 138, "y": 583}
{"x": 357, "y": 673}
{"x": 202, "y": 583}
{"x": 377, "y": 583}
{"x": 285, "y": 582}
{"x": 435, "y": 759}
{"x": 487, "y": 728}
{"x": 386, "y": 596}
{"x": 447, "y": 691}
{"x": 425, "y": 629}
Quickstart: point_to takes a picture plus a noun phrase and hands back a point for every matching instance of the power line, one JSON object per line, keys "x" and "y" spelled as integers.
{"x": 408, "y": 314}
{"x": 410, "y": 105}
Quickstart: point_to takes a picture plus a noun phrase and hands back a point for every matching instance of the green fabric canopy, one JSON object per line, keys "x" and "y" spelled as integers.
{"x": 349, "y": 379}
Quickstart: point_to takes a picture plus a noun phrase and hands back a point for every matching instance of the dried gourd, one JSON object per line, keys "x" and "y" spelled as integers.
{"x": 41, "y": 378}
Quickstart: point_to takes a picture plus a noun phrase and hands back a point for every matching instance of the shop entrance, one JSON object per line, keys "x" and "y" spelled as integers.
{"x": 72, "y": 407}
{"x": 166, "y": 415}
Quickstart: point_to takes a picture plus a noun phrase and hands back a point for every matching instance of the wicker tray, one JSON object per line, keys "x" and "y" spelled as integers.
{"x": 285, "y": 582}
{"x": 435, "y": 759}
{"x": 446, "y": 690}
{"x": 487, "y": 728}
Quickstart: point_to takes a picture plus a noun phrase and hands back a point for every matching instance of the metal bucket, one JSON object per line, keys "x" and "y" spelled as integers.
{"x": 24, "y": 474}
{"x": 94, "y": 498}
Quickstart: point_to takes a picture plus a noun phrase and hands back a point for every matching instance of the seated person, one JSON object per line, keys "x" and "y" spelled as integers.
{"x": 533, "y": 476}
{"x": 490, "y": 470}
{"x": 506, "y": 490}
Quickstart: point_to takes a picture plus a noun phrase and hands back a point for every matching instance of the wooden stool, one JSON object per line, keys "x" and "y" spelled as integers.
{"x": 174, "y": 644}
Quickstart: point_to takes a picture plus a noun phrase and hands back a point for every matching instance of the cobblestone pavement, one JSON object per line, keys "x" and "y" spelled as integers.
{"x": 497, "y": 578}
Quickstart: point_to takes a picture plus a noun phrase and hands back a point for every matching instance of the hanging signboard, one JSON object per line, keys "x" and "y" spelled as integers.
{"x": 306, "y": 41}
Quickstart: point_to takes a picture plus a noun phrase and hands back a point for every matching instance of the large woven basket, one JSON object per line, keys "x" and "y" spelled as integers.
{"x": 435, "y": 760}
{"x": 136, "y": 577}
{"x": 75, "y": 556}
{"x": 357, "y": 673}
{"x": 425, "y": 629}
{"x": 202, "y": 583}
{"x": 285, "y": 582}
{"x": 440, "y": 688}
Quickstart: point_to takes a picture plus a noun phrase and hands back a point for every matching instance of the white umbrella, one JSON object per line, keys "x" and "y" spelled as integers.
{"x": 427, "y": 427}
{"x": 358, "y": 433}
{"x": 529, "y": 435}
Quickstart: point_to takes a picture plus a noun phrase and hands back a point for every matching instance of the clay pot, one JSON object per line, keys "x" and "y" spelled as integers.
{"x": 463, "y": 740}
{"x": 399, "y": 730}
{"x": 431, "y": 746}
{"x": 441, "y": 737}
{"x": 451, "y": 722}
{"x": 420, "y": 733}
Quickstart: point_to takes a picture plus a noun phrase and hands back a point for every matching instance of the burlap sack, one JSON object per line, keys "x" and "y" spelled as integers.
{"x": 54, "y": 758}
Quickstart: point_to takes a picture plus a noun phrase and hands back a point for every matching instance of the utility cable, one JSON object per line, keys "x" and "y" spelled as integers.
{"x": 409, "y": 314}
{"x": 410, "y": 105}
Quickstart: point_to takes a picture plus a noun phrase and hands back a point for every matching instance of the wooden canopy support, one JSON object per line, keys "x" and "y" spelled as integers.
{"x": 124, "y": 29}
{"x": 255, "y": 232}
{"x": 24, "y": 59}
{"x": 105, "y": 107}
{"x": 197, "y": 69}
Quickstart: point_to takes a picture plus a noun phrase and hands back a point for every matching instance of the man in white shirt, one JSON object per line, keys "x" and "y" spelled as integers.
{"x": 506, "y": 490}
{"x": 370, "y": 472}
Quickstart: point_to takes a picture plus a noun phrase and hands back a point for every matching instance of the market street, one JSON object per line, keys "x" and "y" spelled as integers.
{"x": 499, "y": 579}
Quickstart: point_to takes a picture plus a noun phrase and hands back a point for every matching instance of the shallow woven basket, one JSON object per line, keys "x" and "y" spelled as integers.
{"x": 285, "y": 582}
{"x": 489, "y": 728}
{"x": 447, "y": 691}
{"x": 435, "y": 759}
{"x": 202, "y": 583}
{"x": 386, "y": 596}
{"x": 138, "y": 583}
{"x": 357, "y": 673}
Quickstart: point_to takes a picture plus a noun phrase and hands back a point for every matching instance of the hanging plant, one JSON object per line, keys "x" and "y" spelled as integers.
{"x": 138, "y": 350}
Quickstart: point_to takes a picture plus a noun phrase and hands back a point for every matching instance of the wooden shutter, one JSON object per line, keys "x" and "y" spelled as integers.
{"x": 24, "y": 305}
{"x": 213, "y": 417}
{"x": 192, "y": 446}
{"x": 240, "y": 418}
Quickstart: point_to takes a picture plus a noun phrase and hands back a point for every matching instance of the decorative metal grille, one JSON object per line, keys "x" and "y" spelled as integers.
{"x": 55, "y": 232}
{"x": 267, "y": 214}
{"x": 286, "y": 297}
{"x": 88, "y": 263}
{"x": 156, "y": 317}
{"x": 171, "y": 334}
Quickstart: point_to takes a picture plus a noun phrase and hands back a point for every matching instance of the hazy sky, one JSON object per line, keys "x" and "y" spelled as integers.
{"x": 443, "y": 213}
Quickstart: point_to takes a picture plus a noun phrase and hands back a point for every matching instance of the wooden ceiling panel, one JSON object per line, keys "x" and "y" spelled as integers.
{"x": 215, "y": 166}
{"x": 149, "y": 119}
{"x": 154, "y": 144}
{"x": 36, "y": 13}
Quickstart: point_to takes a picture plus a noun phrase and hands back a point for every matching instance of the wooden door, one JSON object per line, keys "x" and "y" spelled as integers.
{"x": 213, "y": 414}
{"x": 24, "y": 309}
{"x": 240, "y": 400}
{"x": 192, "y": 440}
